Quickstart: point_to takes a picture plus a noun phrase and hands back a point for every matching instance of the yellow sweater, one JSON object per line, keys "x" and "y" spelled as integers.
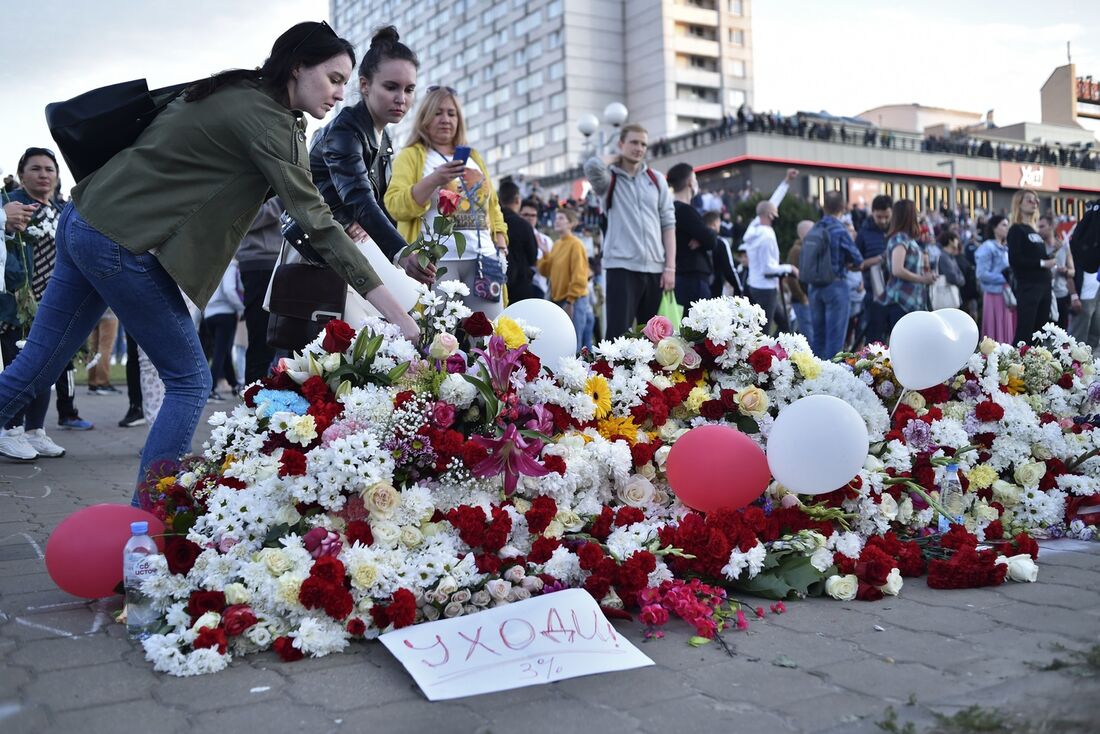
{"x": 567, "y": 268}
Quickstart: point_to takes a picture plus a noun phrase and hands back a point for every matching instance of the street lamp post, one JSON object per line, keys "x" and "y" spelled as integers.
{"x": 614, "y": 114}
{"x": 954, "y": 184}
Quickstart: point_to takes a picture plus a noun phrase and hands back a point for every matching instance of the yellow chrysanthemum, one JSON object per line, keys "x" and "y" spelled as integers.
{"x": 677, "y": 377}
{"x": 808, "y": 365}
{"x": 165, "y": 483}
{"x": 981, "y": 476}
{"x": 510, "y": 331}
{"x": 616, "y": 427}
{"x": 696, "y": 398}
{"x": 597, "y": 388}
{"x": 1015, "y": 385}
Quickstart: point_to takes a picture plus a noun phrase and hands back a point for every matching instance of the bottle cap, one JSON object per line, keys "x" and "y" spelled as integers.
{"x": 139, "y": 528}
{"x": 952, "y": 467}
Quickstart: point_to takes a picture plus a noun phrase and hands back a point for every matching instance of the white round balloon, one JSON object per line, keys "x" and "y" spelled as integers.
{"x": 558, "y": 338}
{"x": 928, "y": 347}
{"x": 817, "y": 444}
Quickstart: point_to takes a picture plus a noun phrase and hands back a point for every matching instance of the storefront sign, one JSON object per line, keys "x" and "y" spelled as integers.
{"x": 863, "y": 190}
{"x": 1029, "y": 176}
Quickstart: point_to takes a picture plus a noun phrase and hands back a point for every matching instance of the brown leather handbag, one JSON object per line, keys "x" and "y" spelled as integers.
{"x": 303, "y": 299}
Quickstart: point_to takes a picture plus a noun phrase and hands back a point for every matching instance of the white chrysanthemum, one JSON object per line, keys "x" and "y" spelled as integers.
{"x": 751, "y": 562}
{"x": 457, "y": 391}
{"x": 319, "y": 637}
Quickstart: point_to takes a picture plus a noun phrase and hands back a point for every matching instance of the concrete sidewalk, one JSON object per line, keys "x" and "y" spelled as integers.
{"x": 823, "y": 666}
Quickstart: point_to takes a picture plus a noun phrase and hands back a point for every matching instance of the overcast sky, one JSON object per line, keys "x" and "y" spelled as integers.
{"x": 843, "y": 56}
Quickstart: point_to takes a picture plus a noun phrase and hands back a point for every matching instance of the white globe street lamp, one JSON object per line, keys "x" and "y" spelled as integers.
{"x": 614, "y": 114}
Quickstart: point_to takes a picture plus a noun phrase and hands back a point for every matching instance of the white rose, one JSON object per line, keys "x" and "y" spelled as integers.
{"x": 430, "y": 613}
{"x": 411, "y": 536}
{"x": 447, "y": 585}
{"x": 436, "y": 597}
{"x": 187, "y": 479}
{"x": 1080, "y": 353}
{"x": 382, "y": 500}
{"x": 237, "y": 594}
{"x": 462, "y": 596}
{"x": 691, "y": 359}
{"x": 518, "y": 593}
{"x": 443, "y": 346}
{"x": 569, "y": 520}
{"x": 1020, "y": 568}
{"x": 481, "y": 598}
{"x": 532, "y": 583}
{"x": 1028, "y": 475}
{"x": 661, "y": 456}
{"x": 914, "y": 400}
{"x": 276, "y": 561}
{"x": 287, "y": 515}
{"x": 521, "y": 505}
{"x": 554, "y": 530}
{"x": 514, "y": 574}
{"x": 498, "y": 589}
{"x": 670, "y": 352}
{"x": 208, "y": 619}
{"x": 1041, "y": 452}
{"x": 987, "y": 346}
{"x": 893, "y": 583}
{"x": 888, "y": 507}
{"x": 1004, "y": 492}
{"x": 647, "y": 470}
{"x": 454, "y": 609}
{"x": 637, "y": 492}
{"x": 843, "y": 588}
{"x": 386, "y": 533}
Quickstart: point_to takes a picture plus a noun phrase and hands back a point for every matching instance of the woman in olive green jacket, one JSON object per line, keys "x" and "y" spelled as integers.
{"x": 167, "y": 214}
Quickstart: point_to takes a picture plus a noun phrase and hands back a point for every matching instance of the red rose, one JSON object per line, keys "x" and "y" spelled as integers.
{"x": 402, "y": 611}
{"x": 292, "y": 463}
{"x": 358, "y": 531}
{"x": 987, "y": 410}
{"x": 238, "y": 618}
{"x": 761, "y": 359}
{"x": 712, "y": 410}
{"x": 211, "y": 637}
{"x": 338, "y": 336}
{"x": 356, "y": 627}
{"x": 448, "y": 202}
{"x": 202, "y": 602}
{"x": 477, "y": 325}
{"x": 1066, "y": 381}
{"x": 284, "y": 647}
{"x": 180, "y": 553}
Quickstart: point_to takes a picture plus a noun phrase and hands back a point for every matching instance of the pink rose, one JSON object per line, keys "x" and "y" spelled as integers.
{"x": 691, "y": 360}
{"x": 443, "y": 414}
{"x": 320, "y": 542}
{"x": 658, "y": 328}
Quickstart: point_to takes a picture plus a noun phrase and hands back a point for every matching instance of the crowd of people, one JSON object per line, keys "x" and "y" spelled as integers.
{"x": 853, "y": 131}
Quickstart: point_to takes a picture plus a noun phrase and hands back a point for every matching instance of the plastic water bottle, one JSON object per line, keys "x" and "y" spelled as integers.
{"x": 951, "y": 498}
{"x": 141, "y": 617}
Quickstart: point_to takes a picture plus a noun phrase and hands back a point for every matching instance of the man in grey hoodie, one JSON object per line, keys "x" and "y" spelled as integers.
{"x": 639, "y": 250}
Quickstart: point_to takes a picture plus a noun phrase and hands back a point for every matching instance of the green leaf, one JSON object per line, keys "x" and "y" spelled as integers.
{"x": 439, "y": 225}
{"x": 271, "y": 540}
{"x": 397, "y": 372}
{"x": 423, "y": 259}
{"x": 460, "y": 243}
{"x": 528, "y": 433}
{"x": 793, "y": 575}
{"x": 747, "y": 424}
{"x": 697, "y": 641}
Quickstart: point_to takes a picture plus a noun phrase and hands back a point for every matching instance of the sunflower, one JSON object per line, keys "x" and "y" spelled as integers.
{"x": 614, "y": 427}
{"x": 600, "y": 392}
{"x": 510, "y": 331}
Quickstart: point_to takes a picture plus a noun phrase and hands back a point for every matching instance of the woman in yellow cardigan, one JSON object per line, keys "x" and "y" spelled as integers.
{"x": 425, "y": 167}
{"x": 566, "y": 265}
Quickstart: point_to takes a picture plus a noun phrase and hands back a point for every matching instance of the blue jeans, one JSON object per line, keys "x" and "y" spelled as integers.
{"x": 804, "y": 316}
{"x": 92, "y": 273}
{"x": 584, "y": 321}
{"x": 830, "y": 306}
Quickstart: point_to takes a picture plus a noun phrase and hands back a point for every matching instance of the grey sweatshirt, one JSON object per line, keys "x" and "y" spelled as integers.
{"x": 260, "y": 247}
{"x": 639, "y": 213}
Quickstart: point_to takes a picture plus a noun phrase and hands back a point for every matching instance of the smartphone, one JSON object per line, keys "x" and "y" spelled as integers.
{"x": 462, "y": 153}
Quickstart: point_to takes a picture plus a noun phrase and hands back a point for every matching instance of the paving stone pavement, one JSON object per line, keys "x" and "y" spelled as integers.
{"x": 65, "y": 667}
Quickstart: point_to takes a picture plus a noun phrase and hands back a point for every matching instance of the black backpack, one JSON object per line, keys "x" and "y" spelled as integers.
{"x": 610, "y": 196}
{"x": 815, "y": 265}
{"x": 1085, "y": 242}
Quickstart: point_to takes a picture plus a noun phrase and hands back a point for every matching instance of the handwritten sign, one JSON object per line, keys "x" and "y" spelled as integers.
{"x": 540, "y": 640}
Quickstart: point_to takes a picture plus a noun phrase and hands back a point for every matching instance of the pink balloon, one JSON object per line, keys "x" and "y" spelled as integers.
{"x": 84, "y": 552}
{"x": 716, "y": 467}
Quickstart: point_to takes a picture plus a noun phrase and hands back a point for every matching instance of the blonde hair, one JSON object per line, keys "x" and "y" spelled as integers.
{"x": 426, "y": 112}
{"x": 632, "y": 127}
{"x": 1018, "y": 217}
{"x": 570, "y": 214}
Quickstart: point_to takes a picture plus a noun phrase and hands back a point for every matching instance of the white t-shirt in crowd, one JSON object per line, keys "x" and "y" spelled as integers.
{"x": 1089, "y": 287}
{"x": 471, "y": 218}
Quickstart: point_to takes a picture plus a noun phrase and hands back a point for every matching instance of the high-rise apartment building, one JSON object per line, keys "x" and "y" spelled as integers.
{"x": 527, "y": 70}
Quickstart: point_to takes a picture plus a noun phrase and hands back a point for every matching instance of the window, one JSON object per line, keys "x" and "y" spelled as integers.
{"x": 737, "y": 37}
{"x": 557, "y": 101}
{"x": 556, "y": 70}
{"x": 553, "y": 40}
{"x": 737, "y": 7}
{"x": 737, "y": 68}
{"x": 702, "y": 62}
{"x": 559, "y": 132}
{"x": 735, "y": 98}
{"x": 554, "y": 8}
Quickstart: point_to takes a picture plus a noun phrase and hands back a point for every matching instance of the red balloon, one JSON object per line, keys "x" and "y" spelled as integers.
{"x": 84, "y": 552}
{"x": 716, "y": 467}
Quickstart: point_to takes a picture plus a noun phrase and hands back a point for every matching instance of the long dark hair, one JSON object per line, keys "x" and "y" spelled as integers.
{"x": 305, "y": 44}
{"x": 903, "y": 219}
{"x": 385, "y": 45}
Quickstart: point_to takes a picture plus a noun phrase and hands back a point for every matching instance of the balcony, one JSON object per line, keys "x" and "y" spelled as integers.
{"x": 694, "y": 15}
{"x": 697, "y": 46}
{"x": 698, "y": 109}
{"x": 697, "y": 77}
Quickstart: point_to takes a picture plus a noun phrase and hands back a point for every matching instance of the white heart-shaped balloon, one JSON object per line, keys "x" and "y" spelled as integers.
{"x": 928, "y": 347}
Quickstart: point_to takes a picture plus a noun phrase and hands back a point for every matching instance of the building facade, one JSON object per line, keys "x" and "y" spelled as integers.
{"x": 527, "y": 70}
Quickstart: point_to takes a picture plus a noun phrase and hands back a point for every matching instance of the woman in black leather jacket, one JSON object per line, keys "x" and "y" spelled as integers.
{"x": 351, "y": 157}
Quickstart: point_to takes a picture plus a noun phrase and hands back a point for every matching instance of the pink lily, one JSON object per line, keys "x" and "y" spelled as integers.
{"x": 511, "y": 454}
{"x": 500, "y": 361}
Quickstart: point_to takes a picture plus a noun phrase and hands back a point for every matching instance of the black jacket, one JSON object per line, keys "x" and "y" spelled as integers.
{"x": 1026, "y": 251}
{"x": 523, "y": 251}
{"x": 689, "y": 226}
{"x": 351, "y": 170}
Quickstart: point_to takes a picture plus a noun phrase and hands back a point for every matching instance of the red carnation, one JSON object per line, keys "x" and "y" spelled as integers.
{"x": 642, "y": 453}
{"x": 472, "y": 454}
{"x": 590, "y": 554}
{"x": 402, "y": 611}
{"x": 180, "y": 553}
{"x": 238, "y": 618}
{"x": 292, "y": 463}
{"x": 487, "y": 563}
{"x": 211, "y": 637}
{"x": 311, "y": 593}
{"x": 202, "y": 602}
{"x": 987, "y": 410}
{"x": 542, "y": 512}
{"x": 284, "y": 647}
{"x": 867, "y": 592}
{"x": 597, "y": 586}
{"x": 531, "y": 364}
{"x": 542, "y": 549}
{"x": 250, "y": 395}
{"x": 338, "y": 336}
{"x": 714, "y": 350}
{"x": 338, "y": 602}
{"x": 628, "y": 516}
{"x": 356, "y": 627}
{"x": 601, "y": 526}
{"x": 554, "y": 463}
{"x": 1024, "y": 543}
{"x": 477, "y": 325}
{"x": 1066, "y": 381}
{"x": 994, "y": 530}
{"x": 358, "y": 531}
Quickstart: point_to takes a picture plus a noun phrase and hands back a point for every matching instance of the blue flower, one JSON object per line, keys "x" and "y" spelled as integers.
{"x": 279, "y": 401}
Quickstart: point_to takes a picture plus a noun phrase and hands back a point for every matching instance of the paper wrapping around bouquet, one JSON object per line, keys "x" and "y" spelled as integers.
{"x": 403, "y": 288}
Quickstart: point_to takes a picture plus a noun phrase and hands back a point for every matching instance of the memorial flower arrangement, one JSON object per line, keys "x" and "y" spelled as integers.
{"x": 369, "y": 484}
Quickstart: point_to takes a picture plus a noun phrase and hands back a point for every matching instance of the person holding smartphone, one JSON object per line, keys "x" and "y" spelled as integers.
{"x": 439, "y": 157}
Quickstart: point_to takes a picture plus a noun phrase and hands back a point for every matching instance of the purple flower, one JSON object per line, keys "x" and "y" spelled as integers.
{"x": 885, "y": 389}
{"x": 971, "y": 390}
{"x": 511, "y": 454}
{"x": 500, "y": 361}
{"x": 1094, "y": 392}
{"x": 542, "y": 420}
{"x": 918, "y": 434}
{"x": 456, "y": 363}
{"x": 971, "y": 424}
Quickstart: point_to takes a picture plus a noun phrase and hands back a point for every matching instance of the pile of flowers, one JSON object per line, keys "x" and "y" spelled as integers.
{"x": 369, "y": 483}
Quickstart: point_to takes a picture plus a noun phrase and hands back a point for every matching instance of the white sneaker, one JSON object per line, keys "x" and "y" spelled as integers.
{"x": 14, "y": 445}
{"x": 43, "y": 444}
